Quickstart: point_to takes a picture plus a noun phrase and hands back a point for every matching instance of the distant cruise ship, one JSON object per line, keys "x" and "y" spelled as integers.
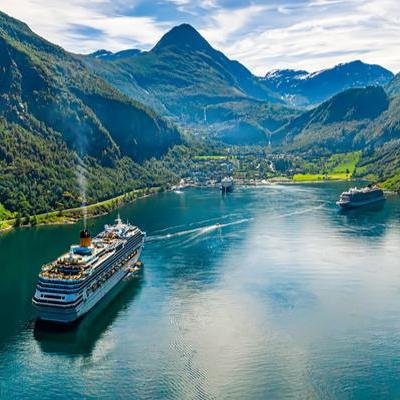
{"x": 360, "y": 197}
{"x": 227, "y": 184}
{"x": 76, "y": 281}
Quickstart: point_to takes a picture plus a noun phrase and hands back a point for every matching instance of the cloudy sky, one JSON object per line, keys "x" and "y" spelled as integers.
{"x": 262, "y": 34}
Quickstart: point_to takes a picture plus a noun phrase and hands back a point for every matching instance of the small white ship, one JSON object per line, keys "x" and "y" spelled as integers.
{"x": 227, "y": 184}
{"x": 355, "y": 197}
{"x": 180, "y": 187}
{"x": 75, "y": 282}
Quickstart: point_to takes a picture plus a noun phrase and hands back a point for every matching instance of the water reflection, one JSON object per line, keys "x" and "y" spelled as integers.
{"x": 210, "y": 238}
{"x": 367, "y": 209}
{"x": 80, "y": 338}
{"x": 297, "y": 301}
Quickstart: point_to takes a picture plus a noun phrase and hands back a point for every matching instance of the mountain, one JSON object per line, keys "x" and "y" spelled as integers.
{"x": 362, "y": 119}
{"x": 185, "y": 78}
{"x": 246, "y": 122}
{"x": 393, "y": 86}
{"x": 301, "y": 88}
{"x": 62, "y": 114}
{"x": 184, "y": 73}
{"x": 340, "y": 124}
{"x": 109, "y": 55}
{"x": 102, "y": 53}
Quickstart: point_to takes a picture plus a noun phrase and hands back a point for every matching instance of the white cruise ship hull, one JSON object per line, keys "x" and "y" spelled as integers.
{"x": 68, "y": 315}
{"x": 356, "y": 204}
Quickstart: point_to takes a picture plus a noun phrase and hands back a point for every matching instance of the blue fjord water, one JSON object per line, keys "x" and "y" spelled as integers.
{"x": 269, "y": 292}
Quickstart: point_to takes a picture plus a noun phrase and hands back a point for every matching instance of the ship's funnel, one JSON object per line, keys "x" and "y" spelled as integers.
{"x": 85, "y": 238}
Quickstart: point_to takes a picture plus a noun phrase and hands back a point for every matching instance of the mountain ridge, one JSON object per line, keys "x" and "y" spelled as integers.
{"x": 304, "y": 88}
{"x": 184, "y": 36}
{"x": 183, "y": 76}
{"x": 183, "y": 61}
{"x": 351, "y": 120}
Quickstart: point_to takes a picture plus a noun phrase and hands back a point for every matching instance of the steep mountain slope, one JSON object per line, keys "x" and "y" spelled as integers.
{"x": 184, "y": 72}
{"x": 39, "y": 173}
{"x": 52, "y": 101}
{"x": 383, "y": 163}
{"x": 357, "y": 119}
{"x": 302, "y": 88}
{"x": 385, "y": 127}
{"x": 340, "y": 124}
{"x": 246, "y": 122}
{"x": 43, "y": 83}
{"x": 393, "y": 86}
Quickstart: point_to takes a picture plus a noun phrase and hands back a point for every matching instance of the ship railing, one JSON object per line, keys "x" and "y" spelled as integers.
{"x": 57, "y": 304}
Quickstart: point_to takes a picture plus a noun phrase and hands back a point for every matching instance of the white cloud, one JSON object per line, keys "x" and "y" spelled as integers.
{"x": 311, "y": 34}
{"x": 223, "y": 23}
{"x": 180, "y": 2}
{"x": 367, "y": 30}
{"x": 57, "y": 20}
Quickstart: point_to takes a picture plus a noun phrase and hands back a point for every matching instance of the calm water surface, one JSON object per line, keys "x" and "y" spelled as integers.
{"x": 265, "y": 293}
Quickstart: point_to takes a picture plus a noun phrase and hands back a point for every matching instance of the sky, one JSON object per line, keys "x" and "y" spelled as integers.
{"x": 263, "y": 35}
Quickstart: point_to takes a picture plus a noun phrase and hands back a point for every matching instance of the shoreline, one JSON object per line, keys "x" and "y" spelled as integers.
{"x": 275, "y": 181}
{"x": 73, "y": 215}
{"x": 282, "y": 181}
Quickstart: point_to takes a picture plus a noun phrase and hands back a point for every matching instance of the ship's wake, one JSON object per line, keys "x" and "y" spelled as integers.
{"x": 204, "y": 221}
{"x": 196, "y": 232}
{"x": 302, "y": 211}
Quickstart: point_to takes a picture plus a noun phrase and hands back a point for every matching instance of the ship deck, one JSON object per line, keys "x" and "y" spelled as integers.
{"x": 74, "y": 267}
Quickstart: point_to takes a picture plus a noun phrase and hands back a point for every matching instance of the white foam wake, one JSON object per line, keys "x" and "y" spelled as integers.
{"x": 196, "y": 231}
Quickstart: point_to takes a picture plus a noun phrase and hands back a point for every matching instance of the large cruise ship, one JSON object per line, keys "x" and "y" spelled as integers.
{"x": 360, "y": 197}
{"x": 71, "y": 285}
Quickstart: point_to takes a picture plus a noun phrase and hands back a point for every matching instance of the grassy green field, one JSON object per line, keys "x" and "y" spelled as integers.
{"x": 344, "y": 163}
{"x": 320, "y": 177}
{"x": 337, "y": 167}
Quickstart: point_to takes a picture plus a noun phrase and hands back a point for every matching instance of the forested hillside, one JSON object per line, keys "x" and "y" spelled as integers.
{"x": 357, "y": 119}
{"x": 55, "y": 113}
{"x": 336, "y": 124}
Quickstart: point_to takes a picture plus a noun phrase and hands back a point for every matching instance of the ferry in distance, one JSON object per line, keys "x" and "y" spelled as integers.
{"x": 227, "y": 185}
{"x": 74, "y": 283}
{"x": 355, "y": 197}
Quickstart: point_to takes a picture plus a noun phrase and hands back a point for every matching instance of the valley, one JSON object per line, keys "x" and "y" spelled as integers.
{"x": 82, "y": 129}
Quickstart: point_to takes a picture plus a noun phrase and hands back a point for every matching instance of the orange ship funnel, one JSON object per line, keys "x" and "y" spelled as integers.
{"x": 85, "y": 238}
